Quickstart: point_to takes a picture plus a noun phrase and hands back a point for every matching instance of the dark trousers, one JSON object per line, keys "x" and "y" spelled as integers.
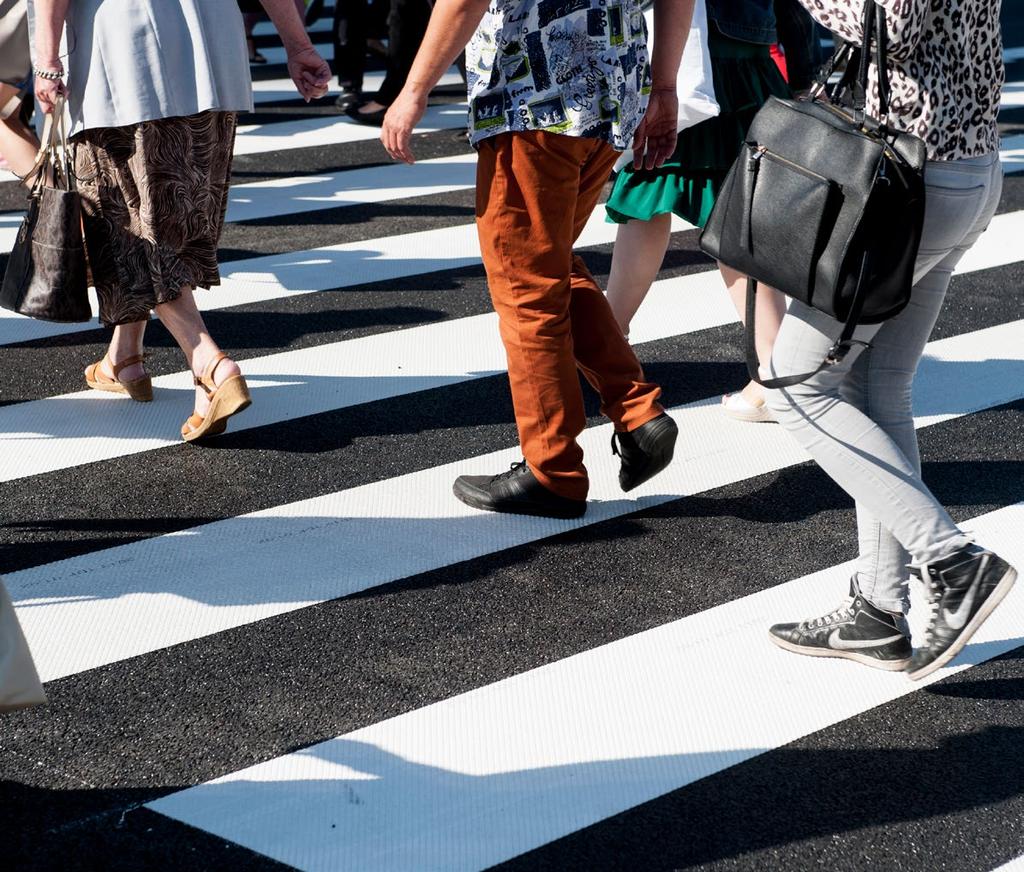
{"x": 407, "y": 24}
{"x": 355, "y": 21}
{"x": 800, "y": 39}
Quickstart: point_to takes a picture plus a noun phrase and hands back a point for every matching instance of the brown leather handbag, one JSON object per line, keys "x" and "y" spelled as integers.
{"x": 46, "y": 271}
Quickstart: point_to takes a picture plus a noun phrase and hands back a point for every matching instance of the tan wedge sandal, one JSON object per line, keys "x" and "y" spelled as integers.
{"x": 226, "y": 399}
{"x": 139, "y": 389}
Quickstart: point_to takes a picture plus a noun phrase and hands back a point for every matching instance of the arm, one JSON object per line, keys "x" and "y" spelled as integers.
{"x": 452, "y": 24}
{"x": 655, "y": 138}
{"x": 905, "y": 20}
{"x": 308, "y": 70}
{"x": 50, "y": 15}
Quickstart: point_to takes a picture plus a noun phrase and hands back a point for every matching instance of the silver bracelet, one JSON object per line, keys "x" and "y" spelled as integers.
{"x": 52, "y": 75}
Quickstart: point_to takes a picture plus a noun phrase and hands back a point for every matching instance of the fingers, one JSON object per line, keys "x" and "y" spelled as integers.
{"x": 639, "y": 145}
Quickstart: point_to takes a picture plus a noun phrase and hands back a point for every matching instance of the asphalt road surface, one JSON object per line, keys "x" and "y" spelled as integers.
{"x": 293, "y": 647}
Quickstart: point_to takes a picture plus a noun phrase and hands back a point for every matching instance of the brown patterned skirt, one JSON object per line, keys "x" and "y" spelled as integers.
{"x": 154, "y": 195}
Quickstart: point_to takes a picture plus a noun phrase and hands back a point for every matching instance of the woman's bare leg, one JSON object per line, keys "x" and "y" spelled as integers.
{"x": 771, "y": 308}
{"x": 126, "y": 342}
{"x": 184, "y": 322}
{"x": 639, "y": 250}
{"x": 18, "y": 144}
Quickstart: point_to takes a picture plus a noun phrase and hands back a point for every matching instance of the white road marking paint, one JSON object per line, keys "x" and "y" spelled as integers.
{"x": 311, "y": 193}
{"x": 269, "y": 90}
{"x": 89, "y": 426}
{"x": 333, "y": 129}
{"x": 271, "y": 277}
{"x": 102, "y": 607}
{"x": 477, "y": 779}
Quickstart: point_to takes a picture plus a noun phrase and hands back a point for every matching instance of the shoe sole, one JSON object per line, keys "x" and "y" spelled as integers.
{"x": 874, "y": 662}
{"x": 998, "y": 594}
{"x": 471, "y": 500}
{"x": 658, "y": 461}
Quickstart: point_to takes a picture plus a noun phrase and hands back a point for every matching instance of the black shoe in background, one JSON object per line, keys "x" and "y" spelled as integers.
{"x": 374, "y": 119}
{"x": 645, "y": 451}
{"x": 517, "y": 492}
{"x": 348, "y": 97}
{"x": 963, "y": 590}
{"x": 856, "y": 630}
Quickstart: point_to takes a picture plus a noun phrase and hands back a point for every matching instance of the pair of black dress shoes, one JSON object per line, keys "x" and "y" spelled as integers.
{"x": 644, "y": 453}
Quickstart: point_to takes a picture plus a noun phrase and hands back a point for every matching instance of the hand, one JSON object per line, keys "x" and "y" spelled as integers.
{"x": 655, "y": 138}
{"x": 400, "y": 121}
{"x": 309, "y": 72}
{"x": 47, "y": 92}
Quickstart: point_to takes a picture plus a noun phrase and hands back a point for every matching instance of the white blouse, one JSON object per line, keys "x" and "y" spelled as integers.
{"x": 141, "y": 60}
{"x": 946, "y": 68}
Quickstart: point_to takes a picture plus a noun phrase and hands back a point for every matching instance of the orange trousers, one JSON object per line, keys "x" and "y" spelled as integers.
{"x": 535, "y": 192}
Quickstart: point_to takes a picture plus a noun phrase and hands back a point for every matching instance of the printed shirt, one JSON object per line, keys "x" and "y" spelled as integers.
{"x": 576, "y": 67}
{"x": 945, "y": 68}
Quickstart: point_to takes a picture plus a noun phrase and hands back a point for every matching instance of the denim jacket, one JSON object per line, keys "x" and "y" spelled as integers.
{"x": 745, "y": 20}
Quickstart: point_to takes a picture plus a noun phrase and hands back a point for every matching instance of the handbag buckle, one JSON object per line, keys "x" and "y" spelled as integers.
{"x": 837, "y": 353}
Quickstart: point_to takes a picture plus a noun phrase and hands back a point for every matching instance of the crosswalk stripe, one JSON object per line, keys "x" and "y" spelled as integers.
{"x": 333, "y": 129}
{"x": 270, "y": 90}
{"x": 1016, "y": 865}
{"x": 482, "y": 777}
{"x": 310, "y": 193}
{"x": 102, "y": 607}
{"x": 320, "y": 26}
{"x": 276, "y": 276}
{"x": 294, "y": 195}
{"x": 75, "y": 429}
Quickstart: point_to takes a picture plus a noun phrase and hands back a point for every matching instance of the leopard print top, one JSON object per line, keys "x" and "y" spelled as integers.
{"x": 945, "y": 68}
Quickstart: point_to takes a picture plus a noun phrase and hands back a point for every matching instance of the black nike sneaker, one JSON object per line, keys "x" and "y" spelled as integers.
{"x": 855, "y": 630}
{"x": 517, "y": 492}
{"x": 963, "y": 590}
{"x": 645, "y": 451}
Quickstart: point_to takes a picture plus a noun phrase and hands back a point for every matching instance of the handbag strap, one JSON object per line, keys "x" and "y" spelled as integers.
{"x": 836, "y": 354}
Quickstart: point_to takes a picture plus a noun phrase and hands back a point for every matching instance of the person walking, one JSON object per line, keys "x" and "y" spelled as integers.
{"x": 407, "y": 24}
{"x": 555, "y": 92}
{"x": 356, "y": 27}
{"x": 18, "y": 144}
{"x": 154, "y": 90}
{"x": 856, "y": 418}
{"x": 643, "y": 200}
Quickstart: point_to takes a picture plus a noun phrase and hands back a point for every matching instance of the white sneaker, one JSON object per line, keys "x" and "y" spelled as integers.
{"x": 738, "y": 407}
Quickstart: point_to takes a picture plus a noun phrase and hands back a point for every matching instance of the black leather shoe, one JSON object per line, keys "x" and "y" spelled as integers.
{"x": 348, "y": 97}
{"x": 645, "y": 451}
{"x": 517, "y": 492}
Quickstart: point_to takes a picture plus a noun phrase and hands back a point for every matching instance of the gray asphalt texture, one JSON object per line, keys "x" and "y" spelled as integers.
{"x": 933, "y": 781}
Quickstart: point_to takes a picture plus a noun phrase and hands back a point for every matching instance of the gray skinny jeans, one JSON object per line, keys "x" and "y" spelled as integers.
{"x": 855, "y": 419}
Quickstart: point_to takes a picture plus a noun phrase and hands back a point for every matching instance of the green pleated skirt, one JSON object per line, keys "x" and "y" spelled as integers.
{"x": 744, "y": 76}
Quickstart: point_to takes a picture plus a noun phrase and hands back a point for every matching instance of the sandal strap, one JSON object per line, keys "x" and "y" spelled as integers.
{"x": 205, "y": 381}
{"x": 124, "y": 364}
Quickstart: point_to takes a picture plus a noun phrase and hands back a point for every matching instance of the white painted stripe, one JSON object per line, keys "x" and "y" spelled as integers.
{"x": 321, "y": 25}
{"x": 269, "y": 90}
{"x": 310, "y": 193}
{"x": 334, "y": 129}
{"x": 74, "y": 429}
{"x": 271, "y": 277}
{"x": 89, "y": 426}
{"x": 108, "y": 605}
{"x": 1013, "y": 95}
{"x": 276, "y": 54}
{"x": 1011, "y": 55}
{"x": 9, "y": 224}
{"x": 490, "y": 774}
{"x": 1013, "y": 866}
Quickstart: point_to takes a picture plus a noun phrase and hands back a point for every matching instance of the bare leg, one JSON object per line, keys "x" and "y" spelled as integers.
{"x": 639, "y": 250}
{"x": 249, "y": 20}
{"x": 771, "y": 308}
{"x": 18, "y": 144}
{"x": 126, "y": 342}
{"x": 182, "y": 318}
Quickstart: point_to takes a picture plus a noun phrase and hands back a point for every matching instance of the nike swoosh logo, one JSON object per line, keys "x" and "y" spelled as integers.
{"x": 958, "y": 618}
{"x": 841, "y": 644}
